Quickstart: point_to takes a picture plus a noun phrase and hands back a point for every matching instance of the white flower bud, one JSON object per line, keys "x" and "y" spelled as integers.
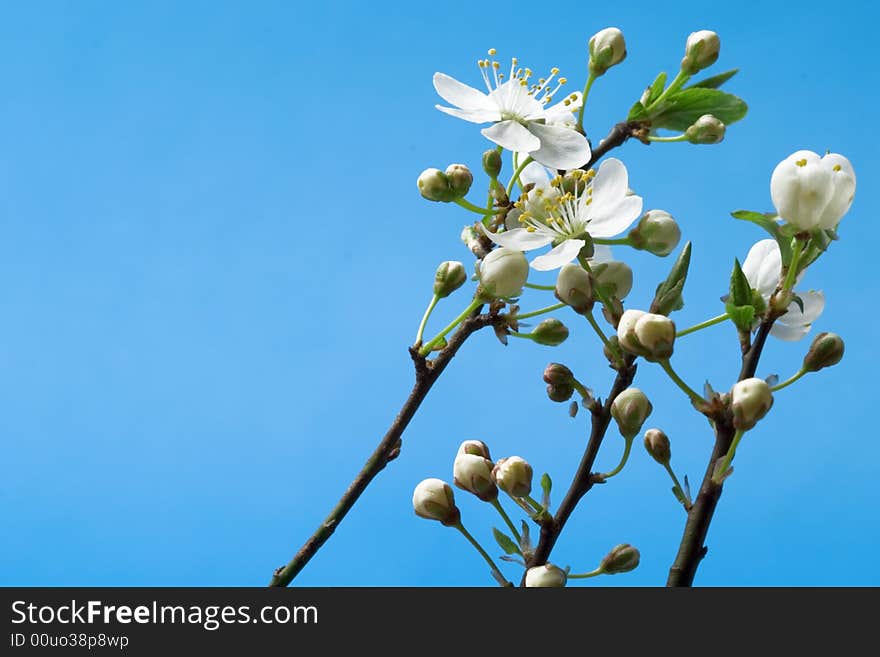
{"x": 474, "y": 474}
{"x": 626, "y": 330}
{"x": 656, "y": 335}
{"x": 657, "y": 444}
{"x": 460, "y": 179}
{"x": 434, "y": 186}
{"x": 630, "y": 409}
{"x": 622, "y": 559}
{"x": 546, "y": 576}
{"x": 701, "y": 51}
{"x": 750, "y": 400}
{"x": 607, "y": 48}
{"x": 550, "y": 332}
{"x": 615, "y": 275}
{"x": 513, "y": 475}
{"x": 503, "y": 273}
{"x": 450, "y": 276}
{"x": 810, "y": 192}
{"x": 477, "y": 447}
{"x": 657, "y": 232}
{"x": 433, "y": 499}
{"x": 573, "y": 288}
{"x": 706, "y": 130}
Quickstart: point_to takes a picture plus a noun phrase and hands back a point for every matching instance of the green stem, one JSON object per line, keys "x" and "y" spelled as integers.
{"x": 534, "y": 286}
{"x": 581, "y": 388}
{"x": 524, "y": 336}
{"x": 676, "y": 84}
{"x": 592, "y": 573}
{"x": 507, "y": 520}
{"x": 677, "y": 380}
{"x": 791, "y": 274}
{"x": 425, "y": 317}
{"x": 623, "y": 241}
{"x": 623, "y": 460}
{"x": 592, "y": 320}
{"x": 677, "y": 484}
{"x": 515, "y": 177}
{"x": 787, "y": 383}
{"x": 725, "y": 463}
{"x": 681, "y": 137}
{"x": 702, "y": 325}
{"x": 535, "y": 313}
{"x": 464, "y": 532}
{"x": 467, "y": 205}
{"x": 589, "y": 85}
{"x": 476, "y": 303}
{"x": 537, "y": 505}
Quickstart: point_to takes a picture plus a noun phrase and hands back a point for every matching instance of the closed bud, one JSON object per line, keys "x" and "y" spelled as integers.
{"x": 434, "y": 186}
{"x": 706, "y": 130}
{"x": 656, "y": 335}
{"x": 621, "y": 559}
{"x": 492, "y": 163}
{"x": 701, "y": 51}
{"x": 477, "y": 447}
{"x": 550, "y": 332}
{"x": 503, "y": 273}
{"x": 546, "y": 576}
{"x": 657, "y": 232}
{"x": 513, "y": 475}
{"x": 826, "y": 351}
{"x": 750, "y": 400}
{"x": 450, "y": 276}
{"x": 433, "y": 499}
{"x": 473, "y": 473}
{"x": 630, "y": 409}
{"x": 626, "y": 331}
{"x": 615, "y": 276}
{"x": 607, "y": 48}
{"x": 560, "y": 392}
{"x": 476, "y": 241}
{"x": 657, "y": 444}
{"x": 460, "y": 179}
{"x": 574, "y": 288}
{"x": 557, "y": 373}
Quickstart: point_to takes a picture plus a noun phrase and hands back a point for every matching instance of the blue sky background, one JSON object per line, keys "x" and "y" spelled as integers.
{"x": 213, "y": 256}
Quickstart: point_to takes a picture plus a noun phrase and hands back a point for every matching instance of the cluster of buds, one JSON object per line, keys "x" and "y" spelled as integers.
{"x": 750, "y": 400}
{"x": 630, "y": 409}
{"x": 445, "y": 187}
{"x": 648, "y": 335}
{"x": 657, "y": 232}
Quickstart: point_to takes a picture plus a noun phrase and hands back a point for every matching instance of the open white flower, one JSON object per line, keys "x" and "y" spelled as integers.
{"x": 561, "y": 211}
{"x": 519, "y": 112}
{"x": 763, "y": 269}
{"x": 813, "y": 192}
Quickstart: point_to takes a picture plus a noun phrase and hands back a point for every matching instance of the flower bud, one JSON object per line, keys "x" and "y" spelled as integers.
{"x": 657, "y": 232}
{"x": 550, "y": 332}
{"x": 607, "y": 48}
{"x": 560, "y": 392}
{"x": 477, "y": 447}
{"x": 630, "y": 409}
{"x": 700, "y": 51}
{"x": 811, "y": 192}
{"x": 473, "y": 473}
{"x": 826, "y": 351}
{"x": 503, "y": 273}
{"x": 513, "y": 475}
{"x": 626, "y": 330}
{"x": 433, "y": 499}
{"x": 573, "y": 288}
{"x": 434, "y": 186}
{"x": 621, "y": 559}
{"x": 657, "y": 444}
{"x": 750, "y": 400}
{"x": 706, "y": 130}
{"x": 546, "y": 576}
{"x": 614, "y": 275}
{"x": 648, "y": 335}
{"x": 450, "y": 276}
{"x": 492, "y": 163}
{"x": 557, "y": 373}
{"x": 460, "y": 179}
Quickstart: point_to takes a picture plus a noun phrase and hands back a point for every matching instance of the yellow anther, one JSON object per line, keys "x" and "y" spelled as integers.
{"x": 496, "y": 65}
{"x": 528, "y": 72}
{"x": 563, "y": 80}
{"x": 514, "y": 61}
{"x": 492, "y": 52}
{"x": 522, "y": 83}
{"x": 554, "y": 70}
{"x": 501, "y": 76}
{"x": 574, "y": 96}
{"x": 530, "y": 229}
{"x": 802, "y": 162}
{"x": 566, "y": 102}
{"x": 547, "y": 99}
{"x": 836, "y": 167}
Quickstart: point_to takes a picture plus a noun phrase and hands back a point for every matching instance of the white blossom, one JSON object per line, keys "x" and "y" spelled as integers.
{"x": 812, "y": 192}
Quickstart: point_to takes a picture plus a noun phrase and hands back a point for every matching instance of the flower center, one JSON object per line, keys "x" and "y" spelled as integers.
{"x": 564, "y": 210}
{"x": 514, "y": 92}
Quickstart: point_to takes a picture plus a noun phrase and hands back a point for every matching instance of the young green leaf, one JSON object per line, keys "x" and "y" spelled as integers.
{"x": 740, "y": 290}
{"x": 742, "y": 316}
{"x": 680, "y": 110}
{"x": 768, "y": 222}
{"x": 546, "y": 486}
{"x": 505, "y": 542}
{"x": 669, "y": 293}
{"x": 715, "y": 81}
{"x": 639, "y": 110}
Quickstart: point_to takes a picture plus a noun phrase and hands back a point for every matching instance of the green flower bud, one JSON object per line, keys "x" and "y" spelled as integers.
{"x": 546, "y": 576}
{"x": 750, "y": 400}
{"x": 477, "y": 447}
{"x": 550, "y": 332}
{"x": 826, "y": 351}
{"x": 616, "y": 276}
{"x": 657, "y": 232}
{"x": 473, "y": 473}
{"x": 450, "y": 276}
{"x": 607, "y": 48}
{"x": 657, "y": 444}
{"x": 460, "y": 179}
{"x": 622, "y": 559}
{"x": 701, "y": 51}
{"x": 574, "y": 288}
{"x": 434, "y": 186}
{"x": 513, "y": 475}
{"x": 557, "y": 373}
{"x": 560, "y": 392}
{"x": 503, "y": 273}
{"x": 433, "y": 499}
{"x": 706, "y": 130}
{"x": 492, "y": 163}
{"x": 630, "y": 409}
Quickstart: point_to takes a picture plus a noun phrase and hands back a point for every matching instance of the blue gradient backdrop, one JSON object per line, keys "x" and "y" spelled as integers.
{"x": 213, "y": 256}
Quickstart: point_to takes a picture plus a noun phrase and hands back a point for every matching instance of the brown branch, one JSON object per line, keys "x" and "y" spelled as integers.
{"x": 616, "y": 137}
{"x": 427, "y": 373}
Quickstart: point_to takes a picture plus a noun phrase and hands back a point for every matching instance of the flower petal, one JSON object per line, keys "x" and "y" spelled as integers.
{"x": 460, "y": 94}
{"x": 558, "y": 255}
{"x": 763, "y": 267}
{"x": 613, "y": 221}
{"x": 601, "y": 253}
{"x": 788, "y": 332}
{"x": 560, "y": 148}
{"x": 472, "y": 115}
{"x": 512, "y": 136}
{"x": 533, "y": 172}
{"x": 519, "y": 239}
{"x": 609, "y": 185}
{"x": 814, "y": 304}
{"x": 562, "y": 114}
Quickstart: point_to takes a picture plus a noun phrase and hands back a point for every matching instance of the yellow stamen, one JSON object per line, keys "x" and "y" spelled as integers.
{"x": 492, "y": 52}
{"x": 802, "y": 162}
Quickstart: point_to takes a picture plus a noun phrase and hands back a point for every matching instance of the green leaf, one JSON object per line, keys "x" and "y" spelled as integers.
{"x": 768, "y": 222}
{"x": 668, "y": 296}
{"x": 505, "y": 542}
{"x": 546, "y": 486}
{"x": 638, "y": 110}
{"x": 715, "y": 81}
{"x": 742, "y": 316}
{"x": 680, "y": 110}
{"x": 740, "y": 290}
